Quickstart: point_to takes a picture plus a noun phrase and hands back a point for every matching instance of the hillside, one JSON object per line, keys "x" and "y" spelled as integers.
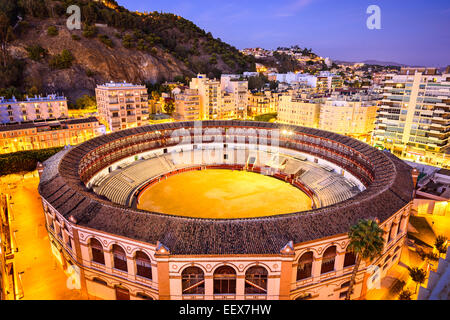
{"x": 114, "y": 44}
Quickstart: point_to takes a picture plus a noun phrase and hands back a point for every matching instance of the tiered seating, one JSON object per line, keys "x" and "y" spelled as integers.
{"x": 118, "y": 186}
{"x": 328, "y": 186}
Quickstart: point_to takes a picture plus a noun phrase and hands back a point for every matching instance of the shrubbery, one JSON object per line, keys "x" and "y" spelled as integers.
{"x": 62, "y": 61}
{"x": 52, "y": 31}
{"x": 36, "y": 52}
{"x": 24, "y": 160}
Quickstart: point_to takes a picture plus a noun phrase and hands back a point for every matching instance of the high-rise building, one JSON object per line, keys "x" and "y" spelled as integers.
{"x": 122, "y": 105}
{"x": 414, "y": 115}
{"x": 210, "y": 96}
{"x": 353, "y": 115}
{"x": 37, "y": 108}
{"x": 187, "y": 105}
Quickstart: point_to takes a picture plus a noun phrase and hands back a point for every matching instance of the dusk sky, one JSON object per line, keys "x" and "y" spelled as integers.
{"x": 412, "y": 32}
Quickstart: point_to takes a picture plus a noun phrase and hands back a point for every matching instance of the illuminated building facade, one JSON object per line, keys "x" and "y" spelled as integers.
{"x": 210, "y": 96}
{"x": 353, "y": 116}
{"x": 122, "y": 105}
{"x": 187, "y": 105}
{"x": 48, "y": 134}
{"x": 37, "y": 108}
{"x": 298, "y": 111}
{"x": 414, "y": 115}
{"x": 262, "y": 102}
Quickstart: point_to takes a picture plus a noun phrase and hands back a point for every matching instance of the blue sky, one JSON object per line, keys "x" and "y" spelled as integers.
{"x": 415, "y": 32}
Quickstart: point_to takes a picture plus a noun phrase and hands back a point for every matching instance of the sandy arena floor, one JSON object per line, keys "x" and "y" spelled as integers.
{"x": 223, "y": 194}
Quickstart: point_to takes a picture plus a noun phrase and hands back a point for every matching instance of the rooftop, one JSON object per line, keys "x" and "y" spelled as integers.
{"x": 45, "y": 123}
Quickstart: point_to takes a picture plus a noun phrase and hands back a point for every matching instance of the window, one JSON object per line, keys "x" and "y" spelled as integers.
{"x": 143, "y": 296}
{"x": 97, "y": 251}
{"x": 225, "y": 280}
{"x": 349, "y": 259}
{"x": 143, "y": 265}
{"x": 328, "y": 260}
{"x": 120, "y": 259}
{"x": 304, "y": 267}
{"x": 100, "y": 281}
{"x": 256, "y": 280}
{"x": 193, "y": 281}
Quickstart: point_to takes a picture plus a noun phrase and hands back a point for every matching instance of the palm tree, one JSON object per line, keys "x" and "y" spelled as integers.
{"x": 418, "y": 275}
{"x": 366, "y": 243}
{"x": 405, "y": 295}
{"x": 440, "y": 244}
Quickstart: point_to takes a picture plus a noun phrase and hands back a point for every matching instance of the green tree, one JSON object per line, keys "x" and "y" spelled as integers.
{"x": 367, "y": 243}
{"x": 36, "y": 52}
{"x": 169, "y": 107}
{"x": 441, "y": 244}
{"x": 62, "y": 61}
{"x": 418, "y": 275}
{"x": 86, "y": 102}
{"x": 5, "y": 36}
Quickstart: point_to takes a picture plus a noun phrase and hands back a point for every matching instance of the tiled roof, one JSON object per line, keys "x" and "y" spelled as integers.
{"x": 390, "y": 190}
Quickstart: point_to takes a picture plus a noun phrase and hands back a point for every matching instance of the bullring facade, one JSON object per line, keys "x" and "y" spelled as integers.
{"x": 125, "y": 253}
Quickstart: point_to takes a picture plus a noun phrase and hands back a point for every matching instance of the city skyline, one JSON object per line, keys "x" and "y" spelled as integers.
{"x": 408, "y": 31}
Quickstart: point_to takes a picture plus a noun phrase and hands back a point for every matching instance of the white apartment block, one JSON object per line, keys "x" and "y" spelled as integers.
{"x": 414, "y": 115}
{"x": 31, "y": 109}
{"x": 122, "y": 105}
{"x": 298, "y": 111}
{"x": 353, "y": 116}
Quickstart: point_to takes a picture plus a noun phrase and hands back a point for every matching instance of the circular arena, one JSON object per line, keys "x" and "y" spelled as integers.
{"x": 222, "y": 210}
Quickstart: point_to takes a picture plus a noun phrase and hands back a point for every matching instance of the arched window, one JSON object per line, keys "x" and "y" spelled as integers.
{"x": 256, "y": 280}
{"x": 120, "y": 259}
{"x": 328, "y": 259}
{"x": 193, "y": 281}
{"x": 304, "y": 268}
{"x": 143, "y": 265}
{"x": 97, "y": 251}
{"x": 225, "y": 280}
{"x": 390, "y": 234}
{"x": 100, "y": 281}
{"x": 349, "y": 259}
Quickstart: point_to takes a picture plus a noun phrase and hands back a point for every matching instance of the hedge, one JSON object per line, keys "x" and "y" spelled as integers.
{"x": 24, "y": 160}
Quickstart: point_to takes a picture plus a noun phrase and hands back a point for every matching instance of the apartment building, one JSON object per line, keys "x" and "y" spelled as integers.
{"x": 238, "y": 91}
{"x": 122, "y": 105}
{"x": 414, "y": 115}
{"x": 48, "y": 134}
{"x": 262, "y": 102}
{"x": 353, "y": 115}
{"x": 296, "y": 110}
{"x": 327, "y": 81}
{"x": 187, "y": 105}
{"x": 210, "y": 96}
{"x": 37, "y": 108}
